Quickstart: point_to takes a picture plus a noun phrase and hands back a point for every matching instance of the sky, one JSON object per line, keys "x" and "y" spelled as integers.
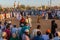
{"x": 9, "y": 3}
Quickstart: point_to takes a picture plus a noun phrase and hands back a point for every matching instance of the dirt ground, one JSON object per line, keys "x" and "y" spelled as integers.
{"x": 45, "y": 24}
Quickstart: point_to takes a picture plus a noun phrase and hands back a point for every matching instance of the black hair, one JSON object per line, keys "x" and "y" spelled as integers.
{"x": 50, "y": 36}
{"x": 0, "y": 22}
{"x": 38, "y": 26}
{"x": 53, "y": 21}
{"x": 56, "y": 34}
{"x": 38, "y": 33}
{"x": 14, "y": 25}
{"x": 47, "y": 33}
{"x": 7, "y": 26}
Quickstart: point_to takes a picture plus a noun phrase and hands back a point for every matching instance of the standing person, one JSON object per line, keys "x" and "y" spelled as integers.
{"x": 34, "y": 32}
{"x": 29, "y": 20}
{"x": 25, "y": 36}
{"x": 5, "y": 15}
{"x": 8, "y": 32}
{"x": 0, "y": 15}
{"x": 46, "y": 16}
{"x": 22, "y": 21}
{"x": 24, "y": 28}
{"x": 14, "y": 29}
{"x": 18, "y": 16}
{"x": 14, "y": 37}
{"x": 53, "y": 27}
{"x": 49, "y": 15}
{"x": 38, "y": 37}
{"x": 10, "y": 24}
{"x": 56, "y": 37}
{"x": 5, "y": 23}
{"x": 38, "y": 18}
{"x": 46, "y": 36}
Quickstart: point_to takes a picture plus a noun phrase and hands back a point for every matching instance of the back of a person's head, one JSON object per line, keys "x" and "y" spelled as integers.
{"x": 7, "y": 26}
{"x": 38, "y": 33}
{"x": 38, "y": 26}
{"x": 53, "y": 21}
{"x": 50, "y": 36}
{"x": 5, "y": 23}
{"x": 0, "y": 22}
{"x": 48, "y": 31}
{"x": 56, "y": 34}
{"x": 14, "y": 25}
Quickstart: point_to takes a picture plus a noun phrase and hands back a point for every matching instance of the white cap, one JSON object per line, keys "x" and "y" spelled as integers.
{"x": 26, "y": 30}
{"x": 9, "y": 22}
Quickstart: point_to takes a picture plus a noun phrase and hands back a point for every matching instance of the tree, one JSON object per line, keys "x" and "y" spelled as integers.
{"x": 28, "y": 7}
{"x": 0, "y": 8}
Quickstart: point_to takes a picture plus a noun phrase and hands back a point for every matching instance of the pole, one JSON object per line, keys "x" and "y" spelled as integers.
{"x": 50, "y": 2}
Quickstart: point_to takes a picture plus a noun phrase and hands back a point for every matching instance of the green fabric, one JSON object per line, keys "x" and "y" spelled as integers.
{"x": 14, "y": 38}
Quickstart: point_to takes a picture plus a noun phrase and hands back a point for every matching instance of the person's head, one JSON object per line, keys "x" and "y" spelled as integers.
{"x": 50, "y": 36}
{"x": 14, "y": 26}
{"x": 0, "y": 23}
{"x": 27, "y": 32}
{"x": 38, "y": 33}
{"x": 4, "y": 35}
{"x": 5, "y": 23}
{"x": 9, "y": 22}
{"x": 14, "y": 35}
{"x": 56, "y": 34}
{"x": 53, "y": 21}
{"x": 8, "y": 27}
{"x": 22, "y": 17}
{"x": 48, "y": 31}
{"x": 27, "y": 16}
{"x": 38, "y": 26}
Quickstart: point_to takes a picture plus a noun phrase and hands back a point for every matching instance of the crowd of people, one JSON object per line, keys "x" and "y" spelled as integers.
{"x": 8, "y": 31}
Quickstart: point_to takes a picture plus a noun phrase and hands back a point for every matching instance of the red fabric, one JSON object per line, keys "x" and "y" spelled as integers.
{"x": 8, "y": 33}
{"x": 5, "y": 15}
{"x": 22, "y": 20}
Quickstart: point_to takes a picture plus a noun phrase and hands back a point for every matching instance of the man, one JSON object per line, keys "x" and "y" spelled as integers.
{"x": 8, "y": 32}
{"x": 46, "y": 36}
{"x": 29, "y": 20}
{"x": 25, "y": 36}
{"x": 38, "y": 18}
{"x": 53, "y": 27}
{"x": 38, "y": 37}
{"x": 56, "y": 37}
{"x": 24, "y": 28}
{"x": 46, "y": 16}
{"x": 10, "y": 24}
{"x": 14, "y": 29}
{"x": 14, "y": 37}
{"x": 34, "y": 32}
{"x": 22, "y": 21}
{"x": 18, "y": 16}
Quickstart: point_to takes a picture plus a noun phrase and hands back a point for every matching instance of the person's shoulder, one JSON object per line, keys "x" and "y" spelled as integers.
{"x": 56, "y": 38}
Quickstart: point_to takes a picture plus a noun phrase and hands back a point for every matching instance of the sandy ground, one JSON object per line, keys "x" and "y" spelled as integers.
{"x": 45, "y": 24}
